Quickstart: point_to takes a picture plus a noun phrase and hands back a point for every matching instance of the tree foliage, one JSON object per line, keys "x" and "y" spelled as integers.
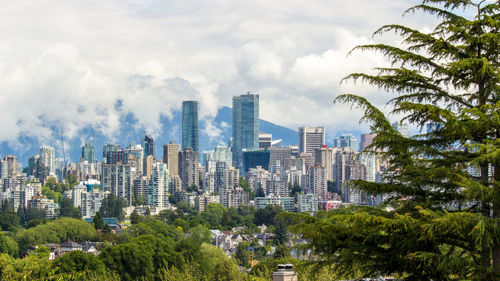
{"x": 112, "y": 207}
{"x": 66, "y": 209}
{"x": 78, "y": 261}
{"x": 442, "y": 186}
{"x": 55, "y": 232}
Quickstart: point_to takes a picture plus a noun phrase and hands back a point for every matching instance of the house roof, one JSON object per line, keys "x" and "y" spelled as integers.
{"x": 70, "y": 244}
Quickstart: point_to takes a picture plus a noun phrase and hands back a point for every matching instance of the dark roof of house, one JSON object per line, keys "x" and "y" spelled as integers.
{"x": 70, "y": 244}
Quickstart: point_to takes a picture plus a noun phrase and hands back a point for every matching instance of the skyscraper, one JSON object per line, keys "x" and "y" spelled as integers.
{"x": 324, "y": 158}
{"x": 190, "y": 125}
{"x": 148, "y": 143}
{"x": 158, "y": 191}
{"x": 119, "y": 180}
{"x": 245, "y": 126}
{"x": 366, "y": 140}
{"x": 347, "y": 140}
{"x": 47, "y": 159}
{"x": 8, "y": 166}
{"x": 402, "y": 128}
{"x": 112, "y": 154}
{"x": 88, "y": 152}
{"x": 171, "y": 157}
{"x": 188, "y": 168}
{"x": 136, "y": 151}
{"x": 311, "y": 138}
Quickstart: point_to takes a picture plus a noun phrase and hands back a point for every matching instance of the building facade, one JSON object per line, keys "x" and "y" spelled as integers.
{"x": 245, "y": 126}
{"x": 171, "y": 157}
{"x": 88, "y": 152}
{"x": 311, "y": 138}
{"x": 190, "y": 125}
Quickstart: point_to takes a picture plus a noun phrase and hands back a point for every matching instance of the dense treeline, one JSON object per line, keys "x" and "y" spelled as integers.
{"x": 173, "y": 244}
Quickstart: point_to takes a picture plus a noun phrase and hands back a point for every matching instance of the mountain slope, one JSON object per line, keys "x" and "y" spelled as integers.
{"x": 211, "y": 133}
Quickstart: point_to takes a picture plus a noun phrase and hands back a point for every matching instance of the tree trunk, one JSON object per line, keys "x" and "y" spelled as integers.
{"x": 496, "y": 212}
{"x": 486, "y": 211}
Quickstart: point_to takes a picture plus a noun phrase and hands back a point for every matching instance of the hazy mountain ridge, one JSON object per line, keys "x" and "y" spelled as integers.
{"x": 28, "y": 146}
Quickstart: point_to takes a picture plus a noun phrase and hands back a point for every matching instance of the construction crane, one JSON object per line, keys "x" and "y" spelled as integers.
{"x": 62, "y": 144}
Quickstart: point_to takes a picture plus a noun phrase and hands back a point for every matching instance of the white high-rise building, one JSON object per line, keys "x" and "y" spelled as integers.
{"x": 224, "y": 154}
{"x": 76, "y": 195}
{"x": 91, "y": 202}
{"x": 369, "y": 160}
{"x": 402, "y": 128}
{"x": 208, "y": 182}
{"x": 158, "y": 191}
{"x": 137, "y": 151}
{"x": 311, "y": 138}
{"x": 307, "y": 203}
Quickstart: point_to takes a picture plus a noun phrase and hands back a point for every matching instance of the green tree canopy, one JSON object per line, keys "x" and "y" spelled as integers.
{"x": 112, "y": 207}
{"x": 443, "y": 185}
{"x": 79, "y": 261}
{"x": 55, "y": 232}
{"x": 66, "y": 209}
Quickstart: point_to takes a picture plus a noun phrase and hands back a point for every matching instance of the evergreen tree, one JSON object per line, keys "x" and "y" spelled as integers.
{"x": 66, "y": 209}
{"x": 98, "y": 222}
{"x": 112, "y": 207}
{"x": 443, "y": 185}
{"x": 135, "y": 218}
{"x": 21, "y": 213}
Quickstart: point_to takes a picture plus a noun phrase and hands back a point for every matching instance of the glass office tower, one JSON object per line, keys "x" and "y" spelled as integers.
{"x": 245, "y": 126}
{"x": 190, "y": 125}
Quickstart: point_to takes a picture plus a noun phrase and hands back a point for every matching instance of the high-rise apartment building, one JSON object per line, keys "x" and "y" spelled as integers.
{"x": 141, "y": 188}
{"x": 112, "y": 154}
{"x": 324, "y": 158}
{"x": 190, "y": 125}
{"x": 171, "y": 157}
{"x": 347, "y": 140}
{"x": 148, "y": 144}
{"x": 307, "y": 203}
{"x": 48, "y": 158}
{"x": 188, "y": 168}
{"x": 245, "y": 126}
{"x": 118, "y": 179}
{"x": 136, "y": 151}
{"x": 366, "y": 140}
{"x": 33, "y": 163}
{"x": 402, "y": 128}
{"x": 311, "y": 138}
{"x": 158, "y": 191}
{"x": 91, "y": 202}
{"x": 316, "y": 180}
{"x": 8, "y": 166}
{"x": 148, "y": 166}
{"x": 88, "y": 152}
{"x": 223, "y": 153}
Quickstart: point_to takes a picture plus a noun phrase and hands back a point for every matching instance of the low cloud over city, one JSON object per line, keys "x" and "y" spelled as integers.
{"x": 77, "y": 64}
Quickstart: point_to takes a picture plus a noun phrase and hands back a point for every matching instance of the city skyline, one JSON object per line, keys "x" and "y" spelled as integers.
{"x": 111, "y": 76}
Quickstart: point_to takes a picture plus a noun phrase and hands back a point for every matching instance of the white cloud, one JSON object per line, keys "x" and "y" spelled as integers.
{"x": 67, "y": 63}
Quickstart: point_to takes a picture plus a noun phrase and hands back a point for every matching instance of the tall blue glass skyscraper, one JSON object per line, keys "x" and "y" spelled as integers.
{"x": 148, "y": 144}
{"x": 245, "y": 126}
{"x": 88, "y": 152}
{"x": 190, "y": 125}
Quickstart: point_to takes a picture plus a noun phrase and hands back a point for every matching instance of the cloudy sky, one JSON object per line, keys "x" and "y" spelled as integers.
{"x": 81, "y": 63}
